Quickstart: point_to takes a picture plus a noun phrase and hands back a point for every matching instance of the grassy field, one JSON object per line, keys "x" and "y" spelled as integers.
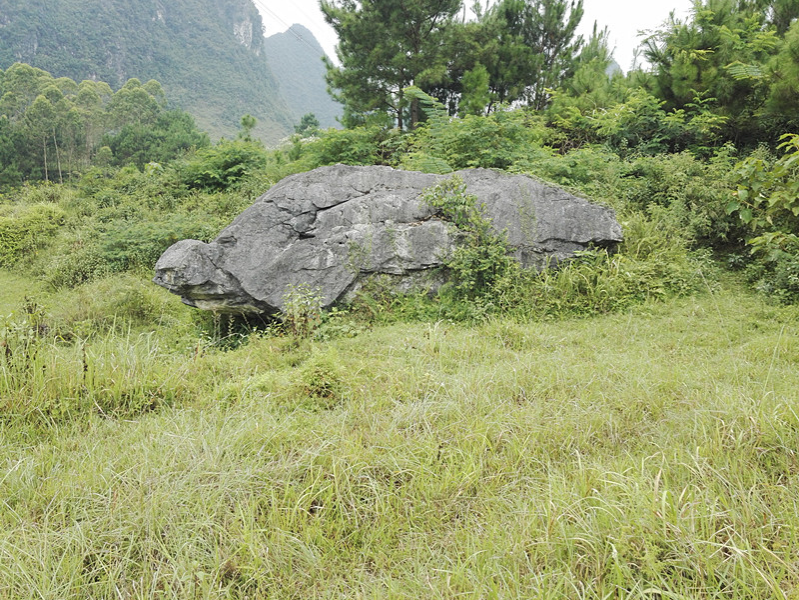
{"x": 13, "y": 290}
{"x": 648, "y": 454}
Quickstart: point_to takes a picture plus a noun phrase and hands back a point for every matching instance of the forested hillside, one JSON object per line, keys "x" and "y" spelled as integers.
{"x": 209, "y": 55}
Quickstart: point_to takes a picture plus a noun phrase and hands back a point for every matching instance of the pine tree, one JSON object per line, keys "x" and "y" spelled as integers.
{"x": 537, "y": 47}
{"x": 384, "y": 47}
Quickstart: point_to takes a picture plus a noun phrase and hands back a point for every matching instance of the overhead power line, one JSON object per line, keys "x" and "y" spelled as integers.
{"x": 262, "y": 5}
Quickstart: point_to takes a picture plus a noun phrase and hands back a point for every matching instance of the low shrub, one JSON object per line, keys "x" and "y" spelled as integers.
{"x": 223, "y": 166}
{"x": 26, "y": 228}
{"x": 302, "y": 310}
{"x": 350, "y": 147}
{"x": 321, "y": 381}
{"x": 776, "y": 277}
{"x": 99, "y": 249}
{"x": 766, "y": 203}
{"x": 647, "y": 266}
{"x": 497, "y": 141}
{"x": 119, "y": 303}
{"x": 78, "y": 262}
{"x": 125, "y": 246}
{"x": 481, "y": 257}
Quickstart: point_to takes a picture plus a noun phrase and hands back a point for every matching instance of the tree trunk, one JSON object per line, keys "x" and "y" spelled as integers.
{"x": 46, "y": 177}
{"x": 399, "y": 110}
{"x": 58, "y": 158}
{"x": 414, "y": 113}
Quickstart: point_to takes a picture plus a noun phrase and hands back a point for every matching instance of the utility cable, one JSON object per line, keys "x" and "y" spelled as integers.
{"x": 261, "y": 4}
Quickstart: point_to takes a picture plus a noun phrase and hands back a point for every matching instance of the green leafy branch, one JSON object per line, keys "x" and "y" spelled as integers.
{"x": 767, "y": 199}
{"x": 482, "y": 259}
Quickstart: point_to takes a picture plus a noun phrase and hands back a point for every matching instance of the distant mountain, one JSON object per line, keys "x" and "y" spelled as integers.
{"x": 210, "y": 56}
{"x": 299, "y": 72}
{"x": 613, "y": 68}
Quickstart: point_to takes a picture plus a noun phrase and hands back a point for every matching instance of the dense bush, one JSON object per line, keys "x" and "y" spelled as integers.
{"x": 122, "y": 219}
{"x": 767, "y": 205}
{"x": 54, "y": 129}
{"x": 482, "y": 258}
{"x": 498, "y": 141}
{"x": 360, "y": 146}
{"x": 125, "y": 246}
{"x": 171, "y": 136}
{"x": 114, "y": 220}
{"x": 223, "y": 166}
{"x": 693, "y": 192}
{"x": 25, "y": 228}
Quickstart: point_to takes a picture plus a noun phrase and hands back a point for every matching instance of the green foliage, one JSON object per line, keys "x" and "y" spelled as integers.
{"x": 499, "y": 140}
{"x": 476, "y": 91}
{"x": 206, "y": 69}
{"x": 248, "y": 123}
{"x": 649, "y": 266}
{"x": 308, "y": 125}
{"x": 121, "y": 220}
{"x": 79, "y": 354}
{"x": 23, "y": 229}
{"x": 767, "y": 203}
{"x": 608, "y": 452}
{"x": 767, "y": 199}
{"x": 783, "y": 99}
{"x": 224, "y": 165}
{"x": 481, "y": 259}
{"x": 516, "y": 51}
{"x": 136, "y": 103}
{"x": 53, "y": 129}
{"x": 119, "y": 304}
{"x": 776, "y": 275}
{"x": 21, "y": 341}
{"x": 170, "y": 136}
{"x": 377, "y": 302}
{"x": 358, "y": 146}
{"x": 722, "y": 75}
{"x": 384, "y": 47}
{"x": 536, "y": 47}
{"x": 691, "y": 193}
{"x": 721, "y": 52}
{"x": 597, "y": 282}
{"x": 302, "y": 310}
{"x": 321, "y": 380}
{"x": 123, "y": 246}
{"x": 641, "y": 124}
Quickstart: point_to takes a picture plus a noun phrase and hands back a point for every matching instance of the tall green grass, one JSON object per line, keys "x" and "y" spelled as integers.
{"x": 644, "y": 454}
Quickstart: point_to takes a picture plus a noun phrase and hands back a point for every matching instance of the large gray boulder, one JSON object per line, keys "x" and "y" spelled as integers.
{"x": 334, "y": 227}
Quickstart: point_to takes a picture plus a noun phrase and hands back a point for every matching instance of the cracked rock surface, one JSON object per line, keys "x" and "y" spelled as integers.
{"x": 334, "y": 227}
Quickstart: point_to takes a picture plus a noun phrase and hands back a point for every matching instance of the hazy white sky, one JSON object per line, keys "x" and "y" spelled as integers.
{"x": 624, "y": 19}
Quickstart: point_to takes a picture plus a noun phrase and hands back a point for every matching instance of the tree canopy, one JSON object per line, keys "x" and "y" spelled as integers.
{"x": 384, "y": 47}
{"x": 514, "y": 52}
{"x": 735, "y": 54}
{"x": 51, "y": 128}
